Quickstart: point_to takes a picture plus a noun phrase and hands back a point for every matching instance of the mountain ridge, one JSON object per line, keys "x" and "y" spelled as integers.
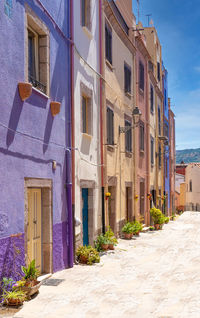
{"x": 188, "y": 155}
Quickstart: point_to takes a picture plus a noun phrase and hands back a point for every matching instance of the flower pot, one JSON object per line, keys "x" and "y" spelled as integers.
{"x": 31, "y": 287}
{"x": 13, "y": 302}
{"x": 111, "y": 246}
{"x": 55, "y": 108}
{"x": 25, "y": 90}
{"x": 83, "y": 259}
{"x": 128, "y": 236}
{"x": 104, "y": 247}
{"x": 137, "y": 233}
{"x": 157, "y": 227}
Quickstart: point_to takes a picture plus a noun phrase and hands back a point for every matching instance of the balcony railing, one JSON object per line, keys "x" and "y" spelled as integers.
{"x": 37, "y": 84}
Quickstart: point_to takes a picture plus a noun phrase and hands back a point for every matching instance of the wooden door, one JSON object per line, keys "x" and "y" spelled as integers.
{"x": 85, "y": 216}
{"x": 34, "y": 227}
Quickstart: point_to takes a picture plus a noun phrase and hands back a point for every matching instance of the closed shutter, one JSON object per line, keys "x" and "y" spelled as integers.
{"x": 83, "y": 11}
{"x": 152, "y": 100}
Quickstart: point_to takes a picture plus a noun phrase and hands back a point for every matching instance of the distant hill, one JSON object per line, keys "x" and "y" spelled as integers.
{"x": 188, "y": 155}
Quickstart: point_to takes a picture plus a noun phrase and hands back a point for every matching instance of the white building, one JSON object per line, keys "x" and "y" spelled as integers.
{"x": 192, "y": 179}
{"x": 87, "y": 121}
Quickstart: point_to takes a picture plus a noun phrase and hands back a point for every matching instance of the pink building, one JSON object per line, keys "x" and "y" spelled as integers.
{"x": 172, "y": 154}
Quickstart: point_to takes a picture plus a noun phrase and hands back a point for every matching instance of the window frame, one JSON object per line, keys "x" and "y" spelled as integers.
{"x": 108, "y": 48}
{"x": 127, "y": 78}
{"x": 110, "y": 121}
{"x": 141, "y": 136}
{"x": 141, "y": 76}
{"x": 86, "y": 16}
{"x": 151, "y": 99}
{"x": 128, "y": 136}
{"x": 36, "y": 52}
{"x": 152, "y": 143}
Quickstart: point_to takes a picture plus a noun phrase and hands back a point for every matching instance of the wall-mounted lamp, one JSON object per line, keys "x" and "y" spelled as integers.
{"x": 136, "y": 118}
{"x": 54, "y": 164}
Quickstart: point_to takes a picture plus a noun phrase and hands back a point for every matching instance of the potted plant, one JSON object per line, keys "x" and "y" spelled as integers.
{"x": 166, "y": 220}
{"x": 157, "y": 217}
{"x": 87, "y": 255}
{"x": 112, "y": 239}
{"x": 14, "y": 297}
{"x": 137, "y": 227}
{"x": 31, "y": 274}
{"x": 128, "y": 230}
{"x": 103, "y": 242}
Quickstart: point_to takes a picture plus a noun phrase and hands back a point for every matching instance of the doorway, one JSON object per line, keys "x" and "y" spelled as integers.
{"x": 111, "y": 208}
{"x": 129, "y": 216}
{"x": 142, "y": 203}
{"x": 85, "y": 216}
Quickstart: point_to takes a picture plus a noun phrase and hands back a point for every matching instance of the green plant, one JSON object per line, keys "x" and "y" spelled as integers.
{"x": 30, "y": 272}
{"x": 127, "y": 228}
{"x": 19, "y": 284}
{"x": 166, "y": 220}
{"x": 101, "y": 239}
{"x": 111, "y": 236}
{"x": 136, "y": 227}
{"x": 151, "y": 228}
{"x": 17, "y": 295}
{"x": 161, "y": 219}
{"x": 90, "y": 253}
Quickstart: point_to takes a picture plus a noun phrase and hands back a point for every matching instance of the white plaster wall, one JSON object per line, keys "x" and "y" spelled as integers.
{"x": 192, "y": 173}
{"x": 179, "y": 178}
{"x": 87, "y": 164}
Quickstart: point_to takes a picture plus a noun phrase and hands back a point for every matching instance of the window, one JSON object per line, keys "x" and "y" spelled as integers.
{"x": 141, "y": 76}
{"x": 127, "y": 78}
{"x": 159, "y": 121}
{"x": 128, "y": 137}
{"x": 37, "y": 50}
{"x": 152, "y": 99}
{"x": 190, "y": 186}
{"x": 86, "y": 115}
{"x": 141, "y": 136}
{"x": 158, "y": 71}
{"x": 110, "y": 126}
{"x": 159, "y": 156}
{"x": 108, "y": 43}
{"x": 85, "y": 13}
{"x": 152, "y": 150}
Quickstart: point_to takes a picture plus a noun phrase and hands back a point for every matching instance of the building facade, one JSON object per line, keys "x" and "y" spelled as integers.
{"x": 35, "y": 138}
{"x": 88, "y": 205}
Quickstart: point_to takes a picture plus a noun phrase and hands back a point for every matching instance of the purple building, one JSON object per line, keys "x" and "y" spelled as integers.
{"x": 35, "y": 136}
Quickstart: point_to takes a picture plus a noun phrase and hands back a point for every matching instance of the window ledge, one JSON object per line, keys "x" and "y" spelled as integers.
{"x": 141, "y": 91}
{"x": 87, "y": 32}
{"x": 109, "y": 65}
{"x": 87, "y": 136}
{"x": 111, "y": 148}
{"x": 128, "y": 154}
{"x": 37, "y": 91}
{"x": 141, "y": 152}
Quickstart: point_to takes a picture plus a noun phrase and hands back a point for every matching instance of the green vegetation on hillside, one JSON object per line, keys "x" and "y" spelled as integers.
{"x": 188, "y": 155}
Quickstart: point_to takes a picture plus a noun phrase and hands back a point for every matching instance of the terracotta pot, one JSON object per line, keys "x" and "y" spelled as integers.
{"x": 111, "y": 247}
{"x": 25, "y": 90}
{"x": 55, "y": 108}
{"x": 83, "y": 259}
{"x": 104, "y": 247}
{"x": 31, "y": 287}
{"x": 128, "y": 236}
{"x": 14, "y": 302}
{"x": 137, "y": 233}
{"x": 157, "y": 226}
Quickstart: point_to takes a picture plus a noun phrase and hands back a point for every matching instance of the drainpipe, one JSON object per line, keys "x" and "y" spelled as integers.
{"x": 101, "y": 115}
{"x": 70, "y": 137}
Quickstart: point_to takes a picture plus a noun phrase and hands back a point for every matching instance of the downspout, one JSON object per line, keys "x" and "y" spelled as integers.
{"x": 148, "y": 142}
{"x": 70, "y": 174}
{"x": 101, "y": 116}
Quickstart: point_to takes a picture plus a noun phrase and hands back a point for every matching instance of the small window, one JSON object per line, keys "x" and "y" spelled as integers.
{"x": 86, "y": 13}
{"x": 190, "y": 186}
{"x": 127, "y": 78}
{"x": 128, "y": 137}
{"x": 110, "y": 126}
{"x": 108, "y": 43}
{"x": 159, "y": 121}
{"x": 141, "y": 76}
{"x": 159, "y": 156}
{"x": 86, "y": 115}
{"x": 152, "y": 150}
{"x": 152, "y": 98}
{"x": 158, "y": 71}
{"x": 37, "y": 48}
{"x": 141, "y": 136}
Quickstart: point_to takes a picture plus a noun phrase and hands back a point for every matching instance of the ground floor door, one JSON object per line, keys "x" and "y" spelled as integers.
{"x": 112, "y": 208}
{"x": 142, "y": 196}
{"x": 34, "y": 246}
{"x": 85, "y": 216}
{"x": 129, "y": 216}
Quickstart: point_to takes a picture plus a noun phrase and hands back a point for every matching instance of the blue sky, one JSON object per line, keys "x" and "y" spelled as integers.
{"x": 178, "y": 26}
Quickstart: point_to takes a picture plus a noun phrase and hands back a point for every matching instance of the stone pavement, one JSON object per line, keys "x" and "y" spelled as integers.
{"x": 155, "y": 275}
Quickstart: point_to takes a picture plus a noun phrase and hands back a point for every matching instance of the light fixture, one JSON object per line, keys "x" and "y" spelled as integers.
{"x": 136, "y": 115}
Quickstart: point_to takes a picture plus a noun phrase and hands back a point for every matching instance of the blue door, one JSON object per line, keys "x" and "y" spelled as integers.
{"x": 85, "y": 216}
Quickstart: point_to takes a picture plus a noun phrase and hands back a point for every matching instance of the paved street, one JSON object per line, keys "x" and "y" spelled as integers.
{"x": 154, "y": 275}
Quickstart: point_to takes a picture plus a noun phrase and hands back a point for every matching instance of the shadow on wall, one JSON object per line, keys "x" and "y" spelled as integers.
{"x": 12, "y": 256}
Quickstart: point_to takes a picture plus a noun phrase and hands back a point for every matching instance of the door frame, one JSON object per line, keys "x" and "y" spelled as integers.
{"x": 47, "y": 220}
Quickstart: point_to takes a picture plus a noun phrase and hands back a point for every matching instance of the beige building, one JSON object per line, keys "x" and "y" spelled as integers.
{"x": 119, "y": 102}
{"x": 156, "y": 116}
{"x": 192, "y": 180}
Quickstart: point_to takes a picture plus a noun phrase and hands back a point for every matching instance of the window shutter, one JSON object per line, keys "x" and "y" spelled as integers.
{"x": 83, "y": 10}
{"x": 88, "y": 13}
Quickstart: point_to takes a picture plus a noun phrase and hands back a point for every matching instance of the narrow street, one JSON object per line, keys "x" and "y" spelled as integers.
{"x": 154, "y": 275}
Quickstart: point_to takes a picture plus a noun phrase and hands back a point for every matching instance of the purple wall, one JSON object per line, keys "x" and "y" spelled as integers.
{"x": 22, "y": 156}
